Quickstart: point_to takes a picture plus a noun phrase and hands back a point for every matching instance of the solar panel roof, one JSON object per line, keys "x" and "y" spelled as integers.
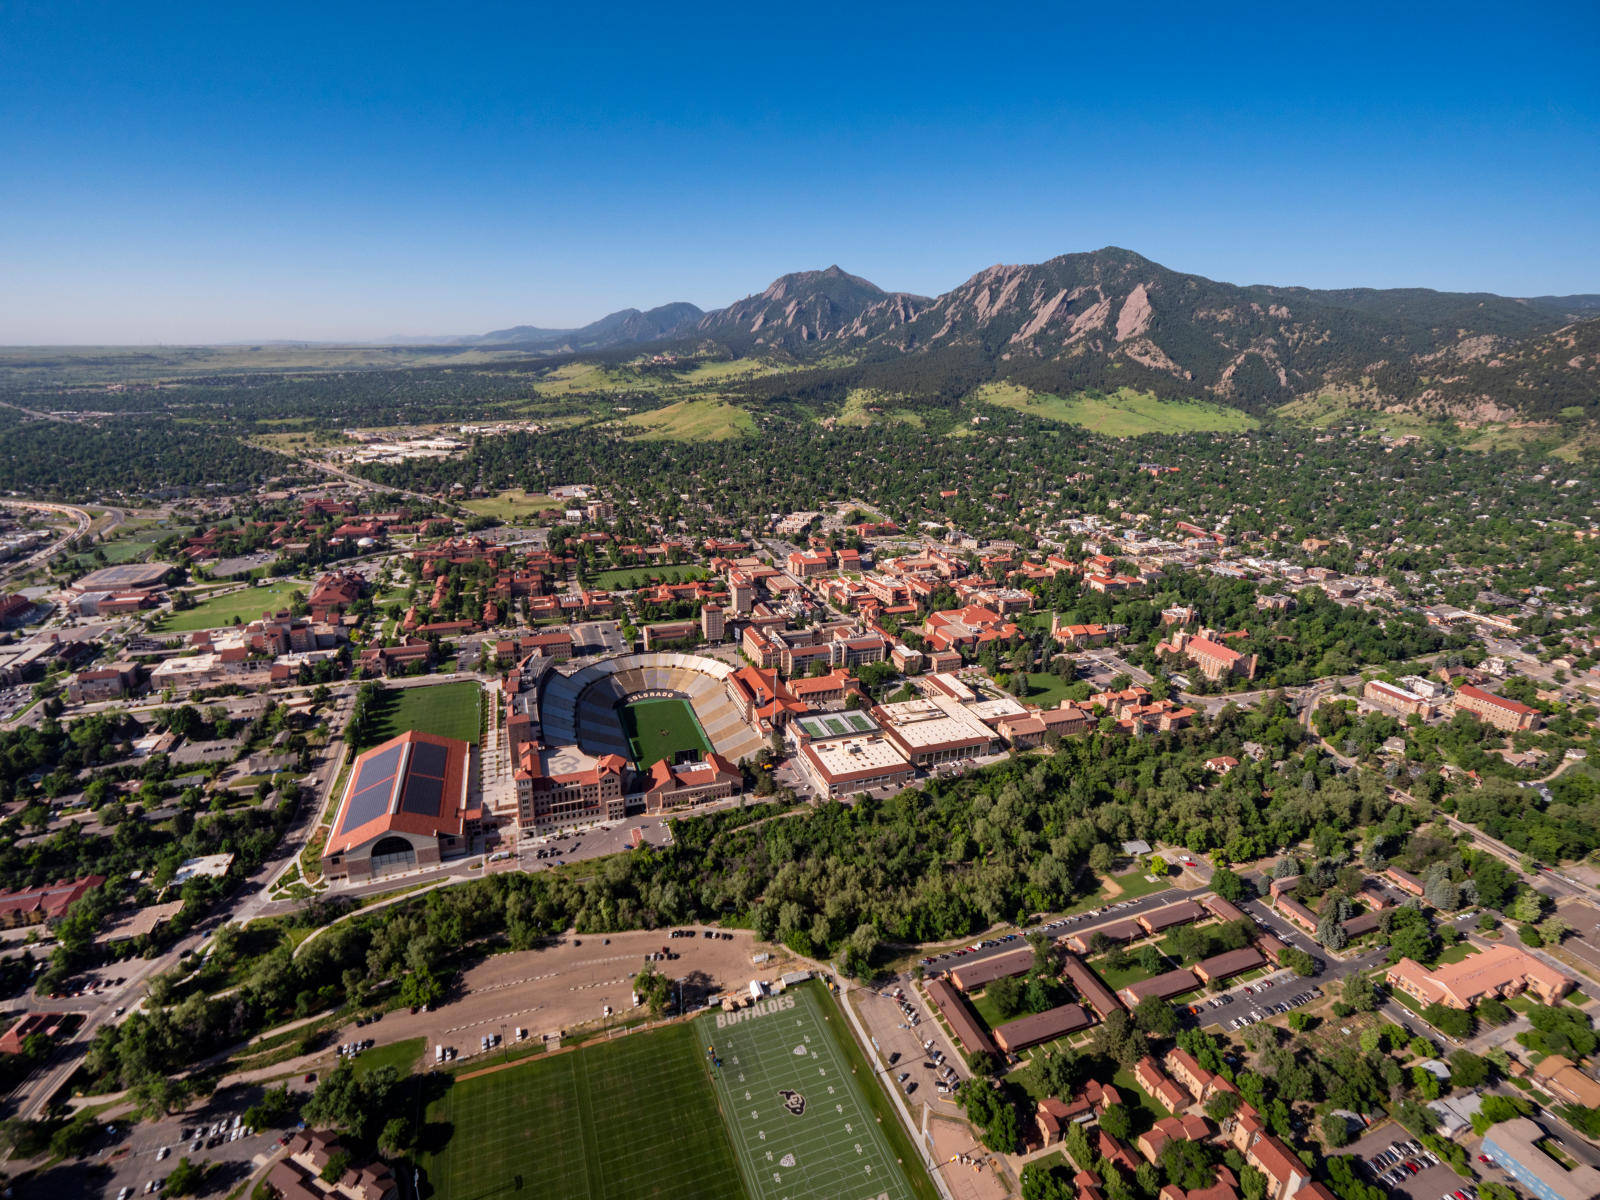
{"x": 368, "y": 804}
{"x": 428, "y": 759}
{"x": 379, "y": 766}
{"x": 422, "y": 795}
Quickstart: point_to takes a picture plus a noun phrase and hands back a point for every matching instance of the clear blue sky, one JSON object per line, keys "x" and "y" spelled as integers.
{"x": 202, "y": 172}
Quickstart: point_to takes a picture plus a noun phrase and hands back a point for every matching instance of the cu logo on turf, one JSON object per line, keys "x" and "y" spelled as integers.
{"x": 793, "y": 1101}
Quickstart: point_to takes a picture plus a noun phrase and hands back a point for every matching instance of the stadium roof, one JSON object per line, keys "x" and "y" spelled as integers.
{"x": 415, "y": 783}
{"x": 123, "y": 576}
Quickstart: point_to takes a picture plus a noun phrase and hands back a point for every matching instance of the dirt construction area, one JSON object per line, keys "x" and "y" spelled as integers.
{"x": 564, "y": 986}
{"x": 572, "y": 983}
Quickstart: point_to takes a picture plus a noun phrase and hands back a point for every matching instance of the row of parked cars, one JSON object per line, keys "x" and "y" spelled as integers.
{"x": 946, "y": 1074}
{"x": 213, "y": 1134}
{"x": 1400, "y": 1160}
{"x": 987, "y": 943}
{"x": 1268, "y": 1010}
{"x": 351, "y": 1049}
{"x": 912, "y": 1016}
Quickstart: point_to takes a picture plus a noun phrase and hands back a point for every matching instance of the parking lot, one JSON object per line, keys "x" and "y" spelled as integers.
{"x": 1391, "y": 1159}
{"x": 1255, "y": 1002}
{"x": 911, "y": 1050}
{"x": 13, "y": 700}
{"x": 139, "y": 1156}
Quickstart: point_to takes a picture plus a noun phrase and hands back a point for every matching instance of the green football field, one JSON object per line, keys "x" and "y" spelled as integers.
{"x": 802, "y": 1123}
{"x": 635, "y": 1117}
{"x": 443, "y": 709}
{"x": 658, "y": 729}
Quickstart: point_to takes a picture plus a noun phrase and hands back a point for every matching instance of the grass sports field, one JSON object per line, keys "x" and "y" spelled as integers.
{"x": 247, "y": 605}
{"x": 633, "y": 1117}
{"x": 658, "y": 729}
{"x": 803, "y": 1126}
{"x": 445, "y": 709}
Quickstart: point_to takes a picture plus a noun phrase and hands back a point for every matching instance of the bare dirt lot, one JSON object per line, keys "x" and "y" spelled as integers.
{"x": 562, "y": 987}
{"x": 977, "y": 1179}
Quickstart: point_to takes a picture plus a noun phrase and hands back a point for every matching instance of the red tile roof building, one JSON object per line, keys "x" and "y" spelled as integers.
{"x": 966, "y": 628}
{"x": 1497, "y": 710}
{"x": 1498, "y": 972}
{"x": 44, "y": 905}
{"x": 1214, "y": 660}
{"x": 678, "y": 786}
{"x": 1053, "y": 1115}
{"x": 405, "y": 806}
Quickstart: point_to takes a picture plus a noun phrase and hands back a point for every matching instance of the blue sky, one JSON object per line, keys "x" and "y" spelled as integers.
{"x": 188, "y": 172}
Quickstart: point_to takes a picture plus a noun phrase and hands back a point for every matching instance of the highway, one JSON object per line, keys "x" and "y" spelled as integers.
{"x": 81, "y": 522}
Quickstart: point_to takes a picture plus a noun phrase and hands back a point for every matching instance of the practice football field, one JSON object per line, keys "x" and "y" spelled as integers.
{"x": 635, "y": 1117}
{"x": 658, "y": 729}
{"x": 801, "y": 1126}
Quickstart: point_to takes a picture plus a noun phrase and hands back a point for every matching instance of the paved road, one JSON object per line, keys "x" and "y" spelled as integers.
{"x": 248, "y": 901}
{"x": 81, "y": 518}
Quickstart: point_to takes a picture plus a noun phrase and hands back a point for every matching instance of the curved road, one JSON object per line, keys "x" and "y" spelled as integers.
{"x": 80, "y": 516}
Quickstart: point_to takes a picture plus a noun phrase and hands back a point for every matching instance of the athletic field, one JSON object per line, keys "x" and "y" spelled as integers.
{"x": 635, "y": 1117}
{"x": 802, "y": 1126}
{"x": 658, "y": 729}
{"x": 445, "y": 709}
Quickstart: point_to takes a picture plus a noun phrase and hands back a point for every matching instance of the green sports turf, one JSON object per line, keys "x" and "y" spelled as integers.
{"x": 444, "y": 709}
{"x": 658, "y": 729}
{"x": 247, "y": 605}
{"x": 635, "y": 1117}
{"x": 835, "y": 1148}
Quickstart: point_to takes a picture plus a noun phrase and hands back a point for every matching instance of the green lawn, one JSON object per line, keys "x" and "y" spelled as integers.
{"x": 1124, "y": 1083}
{"x": 1457, "y": 952}
{"x": 1132, "y": 973}
{"x": 445, "y": 709}
{"x": 247, "y": 605}
{"x": 631, "y": 1117}
{"x": 1135, "y": 884}
{"x": 658, "y": 729}
{"x": 644, "y": 575}
{"x": 1046, "y": 690}
{"x": 702, "y": 420}
{"x": 1123, "y": 413}
{"x": 984, "y": 1007}
{"x": 513, "y": 504}
{"x": 402, "y": 1056}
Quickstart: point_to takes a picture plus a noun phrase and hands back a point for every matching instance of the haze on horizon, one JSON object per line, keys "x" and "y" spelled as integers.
{"x": 243, "y": 173}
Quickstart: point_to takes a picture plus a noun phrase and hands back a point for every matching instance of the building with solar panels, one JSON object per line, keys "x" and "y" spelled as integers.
{"x": 404, "y": 807}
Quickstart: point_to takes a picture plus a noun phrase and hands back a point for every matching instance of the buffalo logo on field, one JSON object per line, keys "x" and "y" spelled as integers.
{"x": 793, "y": 1101}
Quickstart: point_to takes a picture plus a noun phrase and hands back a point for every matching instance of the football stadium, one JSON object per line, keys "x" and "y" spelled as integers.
{"x": 634, "y": 733}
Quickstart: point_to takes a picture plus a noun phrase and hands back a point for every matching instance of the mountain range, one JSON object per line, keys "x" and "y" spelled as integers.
{"x": 1112, "y": 318}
